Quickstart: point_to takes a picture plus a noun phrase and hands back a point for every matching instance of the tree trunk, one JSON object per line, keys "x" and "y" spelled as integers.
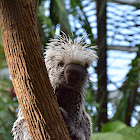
{"x": 131, "y": 86}
{"x": 102, "y": 64}
{"x": 131, "y": 104}
{"x": 29, "y": 75}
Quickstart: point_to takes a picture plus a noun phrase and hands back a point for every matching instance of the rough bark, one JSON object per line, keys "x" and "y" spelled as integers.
{"x": 102, "y": 64}
{"x": 29, "y": 75}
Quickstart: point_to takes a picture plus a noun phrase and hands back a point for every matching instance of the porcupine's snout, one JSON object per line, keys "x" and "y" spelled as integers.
{"x": 73, "y": 74}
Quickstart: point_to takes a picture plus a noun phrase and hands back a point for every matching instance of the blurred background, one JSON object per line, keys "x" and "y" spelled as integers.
{"x": 113, "y": 91}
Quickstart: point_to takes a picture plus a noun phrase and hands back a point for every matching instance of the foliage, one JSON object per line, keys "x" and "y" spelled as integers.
{"x": 45, "y": 26}
{"x": 60, "y": 18}
{"x": 117, "y": 130}
{"x": 7, "y": 109}
{"x": 77, "y": 10}
{"x": 90, "y": 99}
{"x": 130, "y": 91}
{"x": 2, "y": 56}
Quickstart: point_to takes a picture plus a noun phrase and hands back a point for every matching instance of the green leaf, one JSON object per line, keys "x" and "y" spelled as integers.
{"x": 131, "y": 133}
{"x": 107, "y": 136}
{"x": 113, "y": 126}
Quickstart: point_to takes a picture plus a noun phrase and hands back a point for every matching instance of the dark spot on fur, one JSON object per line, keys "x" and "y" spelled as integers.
{"x": 61, "y": 64}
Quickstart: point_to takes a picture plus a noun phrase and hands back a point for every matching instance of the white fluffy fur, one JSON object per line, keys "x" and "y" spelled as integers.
{"x": 70, "y": 51}
{"x": 20, "y": 130}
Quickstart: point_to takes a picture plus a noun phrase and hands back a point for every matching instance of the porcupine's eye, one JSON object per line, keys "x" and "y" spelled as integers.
{"x": 86, "y": 66}
{"x": 61, "y": 64}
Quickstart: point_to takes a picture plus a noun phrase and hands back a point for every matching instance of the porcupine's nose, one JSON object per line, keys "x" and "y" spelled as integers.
{"x": 73, "y": 73}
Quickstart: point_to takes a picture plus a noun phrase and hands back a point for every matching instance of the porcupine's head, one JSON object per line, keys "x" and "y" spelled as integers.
{"x": 67, "y": 62}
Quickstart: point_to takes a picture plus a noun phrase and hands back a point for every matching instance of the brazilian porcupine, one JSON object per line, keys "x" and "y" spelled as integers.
{"x": 66, "y": 62}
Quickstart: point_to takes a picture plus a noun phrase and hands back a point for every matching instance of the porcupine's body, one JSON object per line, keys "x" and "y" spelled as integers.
{"x": 66, "y": 63}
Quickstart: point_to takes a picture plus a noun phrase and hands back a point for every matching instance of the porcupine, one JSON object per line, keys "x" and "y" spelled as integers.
{"x": 66, "y": 62}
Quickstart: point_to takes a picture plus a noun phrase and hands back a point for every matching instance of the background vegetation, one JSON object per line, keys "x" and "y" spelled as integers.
{"x": 123, "y": 99}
